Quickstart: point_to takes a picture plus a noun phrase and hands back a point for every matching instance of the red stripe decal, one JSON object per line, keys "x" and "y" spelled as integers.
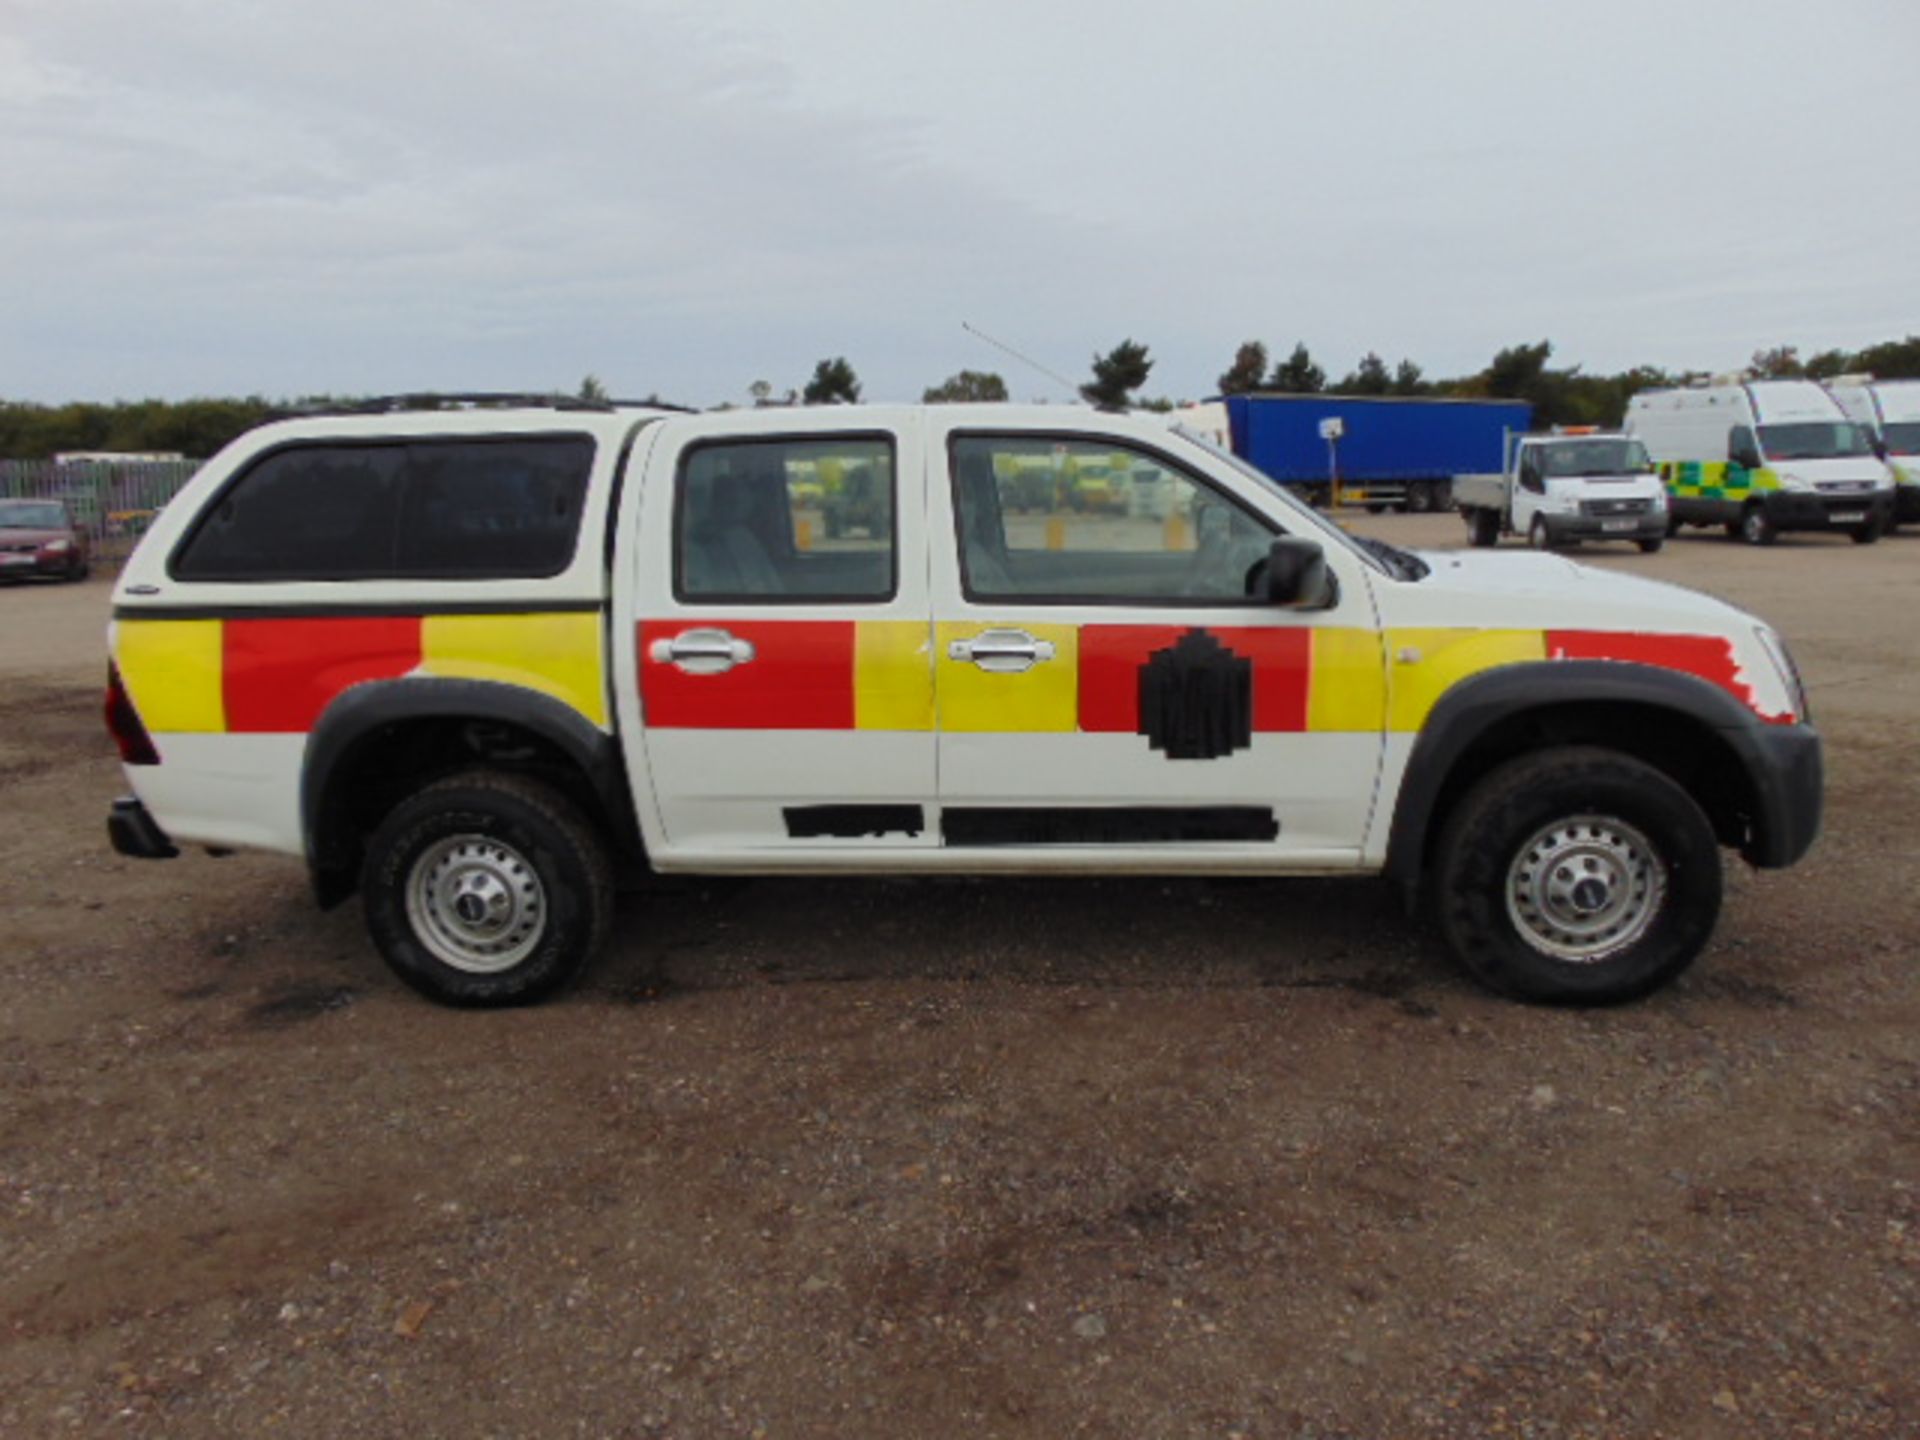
{"x": 800, "y": 678}
{"x": 278, "y": 675}
{"x": 1110, "y": 661}
{"x": 1111, "y": 657}
{"x": 1708, "y": 656}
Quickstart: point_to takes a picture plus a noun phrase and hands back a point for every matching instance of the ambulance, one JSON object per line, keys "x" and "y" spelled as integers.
{"x": 1890, "y": 411}
{"x": 1763, "y": 456}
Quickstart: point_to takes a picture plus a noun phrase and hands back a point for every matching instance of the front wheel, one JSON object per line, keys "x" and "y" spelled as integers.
{"x": 1538, "y": 535}
{"x": 1483, "y": 528}
{"x": 1866, "y": 534}
{"x": 1577, "y": 876}
{"x": 487, "y": 889}
{"x": 1756, "y": 528}
{"x": 1650, "y": 547}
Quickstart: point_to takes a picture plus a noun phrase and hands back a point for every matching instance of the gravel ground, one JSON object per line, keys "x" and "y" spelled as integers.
{"x": 1012, "y": 1158}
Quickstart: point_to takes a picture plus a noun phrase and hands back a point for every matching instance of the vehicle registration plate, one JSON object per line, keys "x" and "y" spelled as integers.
{"x": 1848, "y": 517}
{"x": 1615, "y": 526}
{"x": 16, "y": 559}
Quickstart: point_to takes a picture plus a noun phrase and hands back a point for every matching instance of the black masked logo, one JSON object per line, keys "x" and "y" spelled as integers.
{"x": 1196, "y": 699}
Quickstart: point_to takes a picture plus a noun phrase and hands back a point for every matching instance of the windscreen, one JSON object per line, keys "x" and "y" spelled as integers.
{"x": 1902, "y": 439}
{"x": 31, "y": 515}
{"x": 1813, "y": 440}
{"x": 1610, "y": 456}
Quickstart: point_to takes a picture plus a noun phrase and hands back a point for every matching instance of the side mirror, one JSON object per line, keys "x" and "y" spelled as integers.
{"x": 1742, "y": 450}
{"x": 1297, "y": 575}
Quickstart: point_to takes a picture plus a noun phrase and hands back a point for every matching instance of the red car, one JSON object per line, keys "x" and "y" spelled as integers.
{"x": 38, "y": 537}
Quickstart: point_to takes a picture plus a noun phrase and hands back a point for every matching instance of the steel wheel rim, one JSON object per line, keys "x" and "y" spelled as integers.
{"x": 476, "y": 904}
{"x": 1586, "y": 888}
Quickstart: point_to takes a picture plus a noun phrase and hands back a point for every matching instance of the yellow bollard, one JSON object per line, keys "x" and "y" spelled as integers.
{"x": 802, "y": 533}
{"x": 1176, "y": 531}
{"x": 1056, "y": 533}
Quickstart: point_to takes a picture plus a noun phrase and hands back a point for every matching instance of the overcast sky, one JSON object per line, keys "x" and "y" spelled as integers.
{"x": 362, "y": 196}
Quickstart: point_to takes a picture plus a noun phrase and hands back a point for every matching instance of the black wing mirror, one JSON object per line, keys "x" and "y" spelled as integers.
{"x": 1296, "y": 575}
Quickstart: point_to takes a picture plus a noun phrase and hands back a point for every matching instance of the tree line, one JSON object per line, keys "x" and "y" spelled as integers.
{"x": 1559, "y": 396}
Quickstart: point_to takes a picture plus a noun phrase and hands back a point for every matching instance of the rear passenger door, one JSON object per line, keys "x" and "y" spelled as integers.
{"x": 780, "y": 635}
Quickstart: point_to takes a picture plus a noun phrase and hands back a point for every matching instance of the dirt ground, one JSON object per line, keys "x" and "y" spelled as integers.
{"x": 933, "y": 1158}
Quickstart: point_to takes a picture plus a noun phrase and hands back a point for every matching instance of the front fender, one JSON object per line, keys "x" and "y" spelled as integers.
{"x": 1781, "y": 763}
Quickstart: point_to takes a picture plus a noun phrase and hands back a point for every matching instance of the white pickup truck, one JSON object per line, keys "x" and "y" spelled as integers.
{"x": 475, "y": 663}
{"x": 1566, "y": 487}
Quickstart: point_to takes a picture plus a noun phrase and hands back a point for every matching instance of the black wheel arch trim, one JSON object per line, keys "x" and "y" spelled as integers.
{"x": 361, "y": 711}
{"x": 1782, "y": 762}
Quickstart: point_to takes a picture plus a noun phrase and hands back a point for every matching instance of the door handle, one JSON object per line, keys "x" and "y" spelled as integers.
{"x": 701, "y": 652}
{"x": 1001, "y": 652}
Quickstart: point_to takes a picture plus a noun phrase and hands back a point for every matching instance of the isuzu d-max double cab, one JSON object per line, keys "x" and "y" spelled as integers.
{"x": 474, "y": 664}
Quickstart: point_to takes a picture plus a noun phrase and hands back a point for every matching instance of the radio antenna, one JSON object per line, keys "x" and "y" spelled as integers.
{"x": 1058, "y": 379}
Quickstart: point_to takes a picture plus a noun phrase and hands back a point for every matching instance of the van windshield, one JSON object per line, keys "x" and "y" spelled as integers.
{"x": 1902, "y": 439}
{"x": 1813, "y": 440}
{"x": 1611, "y": 456}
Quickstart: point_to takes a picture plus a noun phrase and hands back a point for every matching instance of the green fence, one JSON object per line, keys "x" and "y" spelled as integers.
{"x": 113, "y": 502}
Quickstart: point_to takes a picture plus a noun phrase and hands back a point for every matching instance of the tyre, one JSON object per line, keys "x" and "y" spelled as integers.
{"x": 1868, "y": 533}
{"x": 1755, "y": 528}
{"x": 1483, "y": 528}
{"x": 1650, "y": 547}
{"x": 487, "y": 889}
{"x": 1673, "y": 525}
{"x": 1537, "y": 535}
{"x": 79, "y": 571}
{"x": 1577, "y": 876}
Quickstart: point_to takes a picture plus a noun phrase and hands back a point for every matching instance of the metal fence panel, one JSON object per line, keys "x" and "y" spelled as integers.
{"x": 114, "y": 503}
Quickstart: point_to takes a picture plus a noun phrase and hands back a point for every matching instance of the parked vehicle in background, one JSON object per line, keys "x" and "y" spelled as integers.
{"x": 1890, "y": 411}
{"x": 1388, "y": 451}
{"x": 468, "y": 662}
{"x": 1560, "y": 489}
{"x": 41, "y": 537}
{"x": 1762, "y": 456}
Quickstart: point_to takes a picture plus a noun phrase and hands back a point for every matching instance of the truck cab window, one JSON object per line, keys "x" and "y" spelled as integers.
{"x": 788, "y": 520}
{"x": 1041, "y": 517}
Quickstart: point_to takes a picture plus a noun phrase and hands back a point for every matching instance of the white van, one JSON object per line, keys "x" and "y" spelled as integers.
{"x": 1762, "y": 456}
{"x": 1890, "y": 410}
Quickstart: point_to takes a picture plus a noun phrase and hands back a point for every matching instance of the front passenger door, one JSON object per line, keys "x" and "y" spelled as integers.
{"x": 1106, "y": 682}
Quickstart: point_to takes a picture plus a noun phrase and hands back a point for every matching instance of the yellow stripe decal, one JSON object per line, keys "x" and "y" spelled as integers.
{"x": 1422, "y": 664}
{"x": 893, "y": 675}
{"x": 1044, "y": 697}
{"x": 1347, "y": 689}
{"x": 172, "y": 672}
{"x": 557, "y": 655}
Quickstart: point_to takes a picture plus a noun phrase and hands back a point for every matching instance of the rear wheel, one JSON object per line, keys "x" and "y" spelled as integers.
{"x": 1755, "y": 528}
{"x": 487, "y": 889}
{"x": 1578, "y": 876}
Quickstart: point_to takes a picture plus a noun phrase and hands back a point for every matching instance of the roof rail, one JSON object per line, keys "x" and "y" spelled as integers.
{"x": 472, "y": 400}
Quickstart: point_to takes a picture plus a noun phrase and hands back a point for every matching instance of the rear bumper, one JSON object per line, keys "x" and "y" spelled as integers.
{"x": 1788, "y": 776}
{"x": 134, "y": 832}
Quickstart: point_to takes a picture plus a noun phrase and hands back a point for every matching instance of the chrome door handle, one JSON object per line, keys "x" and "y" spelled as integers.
{"x": 1001, "y": 652}
{"x": 701, "y": 652}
